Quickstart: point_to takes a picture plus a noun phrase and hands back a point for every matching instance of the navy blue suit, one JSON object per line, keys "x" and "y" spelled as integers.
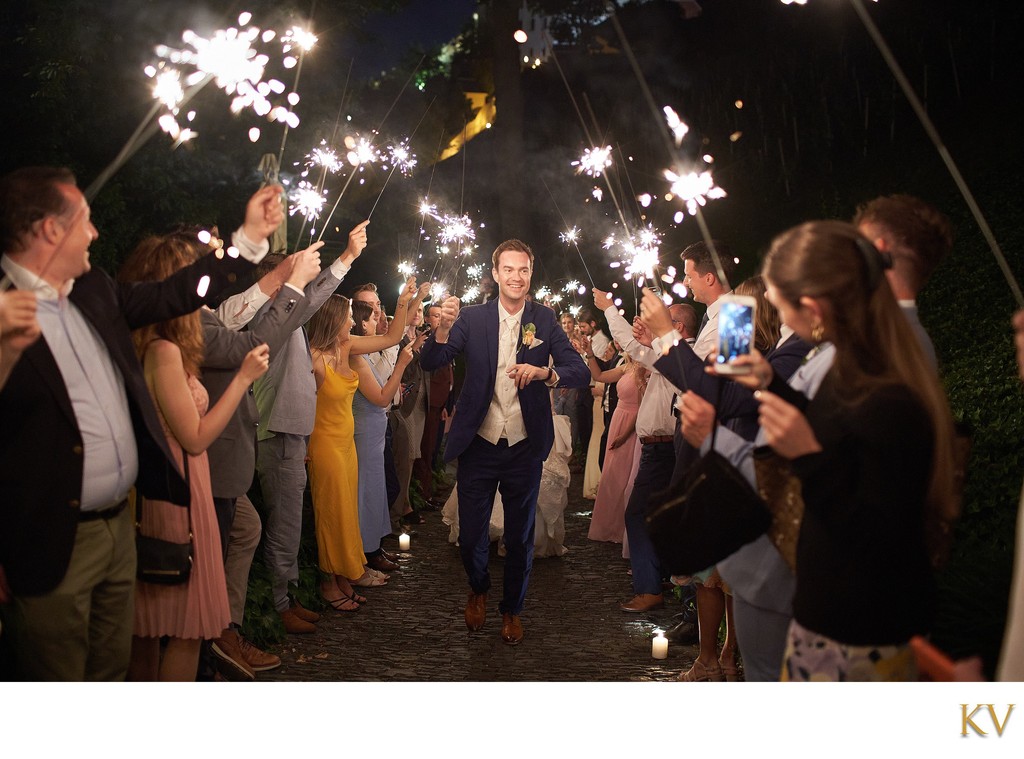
{"x": 485, "y": 468}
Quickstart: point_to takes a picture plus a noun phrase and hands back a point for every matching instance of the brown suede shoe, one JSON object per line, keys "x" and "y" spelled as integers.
{"x": 258, "y": 660}
{"x": 476, "y": 610}
{"x": 303, "y": 613}
{"x": 295, "y": 624}
{"x": 643, "y": 602}
{"x": 230, "y": 661}
{"x": 511, "y": 629}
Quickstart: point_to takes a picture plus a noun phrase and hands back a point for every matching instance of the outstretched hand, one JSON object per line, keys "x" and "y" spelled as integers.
{"x": 356, "y": 242}
{"x": 305, "y": 265}
{"x": 655, "y": 313}
{"x": 263, "y": 213}
{"x": 785, "y": 428}
{"x": 602, "y": 299}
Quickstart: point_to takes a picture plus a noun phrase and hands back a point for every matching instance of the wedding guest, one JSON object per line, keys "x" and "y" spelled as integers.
{"x": 608, "y": 520}
{"x": 286, "y": 400}
{"x": 171, "y": 353}
{"x": 374, "y": 396}
{"x": 440, "y": 388}
{"x": 67, "y": 544}
{"x": 411, "y": 417}
{"x": 592, "y": 469}
{"x": 333, "y": 467}
{"x": 873, "y": 449}
{"x": 232, "y": 456}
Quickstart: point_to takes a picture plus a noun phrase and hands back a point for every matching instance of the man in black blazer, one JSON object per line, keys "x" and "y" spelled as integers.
{"x": 80, "y": 427}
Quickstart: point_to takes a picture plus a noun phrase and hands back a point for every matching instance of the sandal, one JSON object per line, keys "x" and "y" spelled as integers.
{"x": 698, "y": 673}
{"x": 370, "y": 580}
{"x": 730, "y": 671}
{"x": 345, "y": 603}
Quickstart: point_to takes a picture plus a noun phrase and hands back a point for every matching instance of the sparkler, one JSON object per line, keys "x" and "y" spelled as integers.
{"x": 593, "y": 162}
{"x": 307, "y": 201}
{"x": 229, "y": 59}
{"x": 694, "y": 189}
{"x": 401, "y": 159}
{"x": 456, "y": 229}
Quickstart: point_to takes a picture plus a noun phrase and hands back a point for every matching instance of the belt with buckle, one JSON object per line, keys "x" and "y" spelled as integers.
{"x": 651, "y": 439}
{"x": 113, "y": 511}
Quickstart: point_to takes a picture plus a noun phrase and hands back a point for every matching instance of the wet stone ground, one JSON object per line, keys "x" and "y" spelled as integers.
{"x": 412, "y": 629}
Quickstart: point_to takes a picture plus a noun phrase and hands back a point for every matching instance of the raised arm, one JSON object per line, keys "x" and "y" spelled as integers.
{"x": 410, "y": 298}
{"x": 448, "y": 341}
{"x": 375, "y": 393}
{"x": 166, "y": 376}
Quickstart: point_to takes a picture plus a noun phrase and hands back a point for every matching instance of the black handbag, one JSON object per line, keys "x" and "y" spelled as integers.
{"x": 710, "y": 514}
{"x": 163, "y": 562}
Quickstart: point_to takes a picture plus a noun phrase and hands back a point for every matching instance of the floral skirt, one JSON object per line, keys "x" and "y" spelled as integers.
{"x": 811, "y": 657}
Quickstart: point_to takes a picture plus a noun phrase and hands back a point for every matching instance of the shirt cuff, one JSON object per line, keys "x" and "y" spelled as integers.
{"x": 247, "y": 249}
{"x": 339, "y": 268}
{"x": 660, "y": 345}
{"x": 297, "y": 289}
{"x": 237, "y": 310}
{"x": 553, "y": 380}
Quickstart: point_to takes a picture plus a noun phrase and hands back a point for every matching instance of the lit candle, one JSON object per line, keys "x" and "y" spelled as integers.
{"x": 659, "y": 646}
{"x": 403, "y": 543}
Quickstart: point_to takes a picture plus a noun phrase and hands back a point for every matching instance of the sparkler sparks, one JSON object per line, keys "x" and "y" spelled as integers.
{"x": 570, "y": 236}
{"x": 229, "y": 59}
{"x": 679, "y": 129}
{"x": 694, "y": 189}
{"x": 406, "y": 269}
{"x": 361, "y": 151}
{"x": 325, "y": 157}
{"x": 456, "y": 229}
{"x": 298, "y": 37}
{"x": 306, "y": 201}
{"x": 401, "y": 158}
{"x": 594, "y": 162}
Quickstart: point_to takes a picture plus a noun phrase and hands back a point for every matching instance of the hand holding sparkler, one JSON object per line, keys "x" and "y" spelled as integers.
{"x": 641, "y": 333}
{"x": 18, "y": 328}
{"x": 263, "y": 213}
{"x": 417, "y": 302}
{"x": 655, "y": 313}
{"x": 356, "y": 243}
{"x": 407, "y": 294}
{"x": 305, "y": 266}
{"x": 449, "y": 313}
{"x": 602, "y": 299}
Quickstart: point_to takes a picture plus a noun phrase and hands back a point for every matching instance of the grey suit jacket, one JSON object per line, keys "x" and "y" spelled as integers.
{"x": 233, "y": 453}
{"x": 286, "y": 394}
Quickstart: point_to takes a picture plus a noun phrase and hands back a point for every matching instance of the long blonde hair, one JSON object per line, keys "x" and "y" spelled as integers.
{"x": 832, "y": 262}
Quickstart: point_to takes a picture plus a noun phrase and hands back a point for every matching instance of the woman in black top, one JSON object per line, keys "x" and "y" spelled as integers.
{"x": 874, "y": 453}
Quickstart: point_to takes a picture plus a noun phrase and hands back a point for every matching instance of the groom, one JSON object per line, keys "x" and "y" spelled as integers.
{"x": 501, "y": 431}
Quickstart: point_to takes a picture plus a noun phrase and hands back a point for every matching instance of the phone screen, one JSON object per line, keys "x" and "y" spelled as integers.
{"x": 735, "y": 331}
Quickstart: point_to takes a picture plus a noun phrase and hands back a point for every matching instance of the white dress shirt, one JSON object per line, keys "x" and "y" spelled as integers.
{"x": 654, "y": 417}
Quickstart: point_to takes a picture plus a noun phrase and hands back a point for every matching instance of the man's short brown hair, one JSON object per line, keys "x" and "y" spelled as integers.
{"x": 512, "y": 244}
{"x": 26, "y": 196}
{"x": 704, "y": 263}
{"x": 918, "y": 232}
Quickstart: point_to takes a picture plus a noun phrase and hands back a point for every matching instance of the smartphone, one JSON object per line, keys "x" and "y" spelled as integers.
{"x": 735, "y": 332}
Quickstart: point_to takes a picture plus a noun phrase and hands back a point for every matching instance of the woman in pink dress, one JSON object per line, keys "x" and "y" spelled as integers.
{"x": 630, "y": 378}
{"x": 171, "y": 353}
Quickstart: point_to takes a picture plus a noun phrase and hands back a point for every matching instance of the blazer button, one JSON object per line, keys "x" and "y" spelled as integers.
{"x": 77, "y": 450}
{"x": 74, "y": 503}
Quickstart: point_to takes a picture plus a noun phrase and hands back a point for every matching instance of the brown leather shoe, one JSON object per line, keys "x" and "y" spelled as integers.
{"x": 381, "y": 564}
{"x": 476, "y": 610}
{"x": 303, "y": 613}
{"x": 294, "y": 624}
{"x": 511, "y": 629}
{"x": 257, "y": 659}
{"x": 643, "y": 602}
{"x": 389, "y": 556}
{"x": 230, "y": 661}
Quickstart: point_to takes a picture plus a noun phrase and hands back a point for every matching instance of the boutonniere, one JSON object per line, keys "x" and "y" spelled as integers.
{"x": 529, "y": 339}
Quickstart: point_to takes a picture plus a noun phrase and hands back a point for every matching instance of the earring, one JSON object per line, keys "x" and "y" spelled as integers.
{"x": 817, "y": 332}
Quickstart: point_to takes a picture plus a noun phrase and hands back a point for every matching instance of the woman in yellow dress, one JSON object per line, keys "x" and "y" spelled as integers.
{"x": 333, "y": 467}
